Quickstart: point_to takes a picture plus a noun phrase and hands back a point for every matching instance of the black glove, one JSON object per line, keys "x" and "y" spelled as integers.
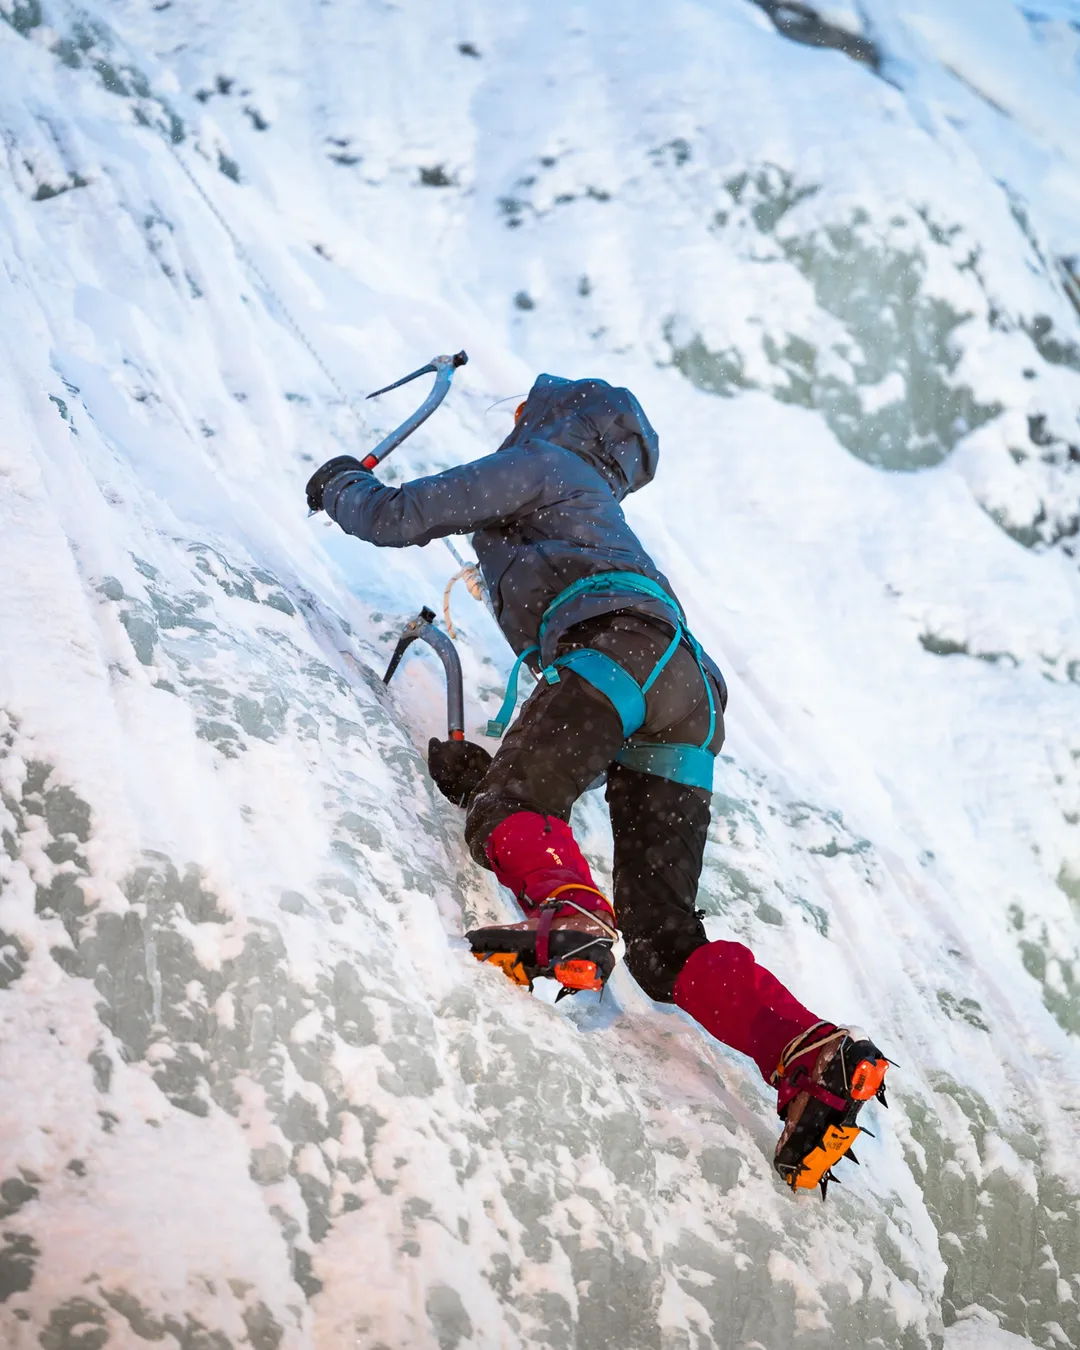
{"x": 457, "y": 768}
{"x": 320, "y": 479}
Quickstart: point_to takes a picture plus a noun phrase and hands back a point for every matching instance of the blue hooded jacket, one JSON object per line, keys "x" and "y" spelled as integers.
{"x": 543, "y": 510}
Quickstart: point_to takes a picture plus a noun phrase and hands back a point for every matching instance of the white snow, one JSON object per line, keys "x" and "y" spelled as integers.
{"x": 982, "y": 1333}
{"x": 256, "y": 1092}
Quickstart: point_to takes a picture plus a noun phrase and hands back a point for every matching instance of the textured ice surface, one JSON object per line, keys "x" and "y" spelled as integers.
{"x": 255, "y": 1092}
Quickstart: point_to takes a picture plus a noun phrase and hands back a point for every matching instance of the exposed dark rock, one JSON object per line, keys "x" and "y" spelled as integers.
{"x": 961, "y": 1009}
{"x": 304, "y": 1275}
{"x": 942, "y": 646}
{"x": 17, "y": 1257}
{"x": 1059, "y": 351}
{"x": 938, "y": 645}
{"x": 142, "y": 1323}
{"x": 802, "y": 23}
{"x": 1037, "y": 430}
{"x": 13, "y": 956}
{"x": 316, "y": 1196}
{"x": 449, "y": 1320}
{"x": 24, "y": 16}
{"x": 1069, "y": 271}
{"x": 898, "y": 333}
{"x": 618, "y": 1296}
{"x": 164, "y": 1008}
{"x": 46, "y": 191}
{"x": 14, "y": 1193}
{"x": 192, "y": 1335}
{"x": 269, "y": 1165}
{"x": 264, "y": 1332}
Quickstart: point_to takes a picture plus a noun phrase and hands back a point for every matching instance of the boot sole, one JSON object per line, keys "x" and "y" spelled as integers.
{"x": 571, "y": 953}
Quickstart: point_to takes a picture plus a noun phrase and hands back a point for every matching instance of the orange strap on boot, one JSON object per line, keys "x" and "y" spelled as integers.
{"x": 584, "y": 909}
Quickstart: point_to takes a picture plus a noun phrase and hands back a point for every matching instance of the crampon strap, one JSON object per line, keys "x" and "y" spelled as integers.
{"x": 549, "y": 910}
{"x": 801, "y": 1081}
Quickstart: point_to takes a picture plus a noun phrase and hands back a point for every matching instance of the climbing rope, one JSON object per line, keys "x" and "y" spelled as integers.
{"x": 474, "y": 584}
{"x": 249, "y": 262}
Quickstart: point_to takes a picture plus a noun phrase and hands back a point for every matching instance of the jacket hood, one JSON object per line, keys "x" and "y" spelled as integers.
{"x": 601, "y": 424}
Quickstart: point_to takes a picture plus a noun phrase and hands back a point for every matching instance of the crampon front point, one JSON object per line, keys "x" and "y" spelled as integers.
{"x": 820, "y": 1126}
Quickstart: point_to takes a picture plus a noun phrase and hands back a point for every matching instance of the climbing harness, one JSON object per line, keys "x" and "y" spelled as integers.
{"x": 688, "y": 764}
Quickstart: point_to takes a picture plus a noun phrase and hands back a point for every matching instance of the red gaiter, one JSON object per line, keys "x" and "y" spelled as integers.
{"x": 534, "y": 855}
{"x": 740, "y": 1002}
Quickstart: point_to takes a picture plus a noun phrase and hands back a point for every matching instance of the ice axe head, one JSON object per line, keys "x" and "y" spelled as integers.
{"x": 443, "y": 368}
{"x": 423, "y": 628}
{"x": 432, "y": 368}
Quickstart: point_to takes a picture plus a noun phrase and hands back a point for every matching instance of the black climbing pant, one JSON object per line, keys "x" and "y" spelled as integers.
{"x": 566, "y": 738}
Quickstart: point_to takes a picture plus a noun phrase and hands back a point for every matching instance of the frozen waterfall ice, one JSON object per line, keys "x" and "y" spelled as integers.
{"x": 253, "y": 1090}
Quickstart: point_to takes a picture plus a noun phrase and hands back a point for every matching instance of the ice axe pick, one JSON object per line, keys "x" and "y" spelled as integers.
{"x": 442, "y": 367}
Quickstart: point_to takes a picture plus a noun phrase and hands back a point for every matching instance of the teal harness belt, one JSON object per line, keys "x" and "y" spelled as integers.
{"x": 689, "y": 764}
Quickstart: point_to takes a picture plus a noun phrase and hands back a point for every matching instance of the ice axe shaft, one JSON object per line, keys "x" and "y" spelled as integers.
{"x": 442, "y": 367}
{"x": 423, "y": 629}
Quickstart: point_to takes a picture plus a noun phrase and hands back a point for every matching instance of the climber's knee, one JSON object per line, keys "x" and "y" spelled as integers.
{"x": 656, "y": 960}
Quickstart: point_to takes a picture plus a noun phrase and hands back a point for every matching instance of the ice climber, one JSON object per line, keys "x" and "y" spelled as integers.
{"x": 625, "y": 692}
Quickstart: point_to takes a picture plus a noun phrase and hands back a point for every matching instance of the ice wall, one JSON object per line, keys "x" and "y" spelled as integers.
{"x": 255, "y": 1091}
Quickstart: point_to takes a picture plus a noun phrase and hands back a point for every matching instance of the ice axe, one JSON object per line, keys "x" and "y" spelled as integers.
{"x": 442, "y": 367}
{"x": 423, "y": 629}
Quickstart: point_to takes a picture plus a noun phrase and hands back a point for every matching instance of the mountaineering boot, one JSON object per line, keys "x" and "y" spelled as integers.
{"x": 570, "y": 931}
{"x": 824, "y": 1077}
{"x": 823, "y": 1074}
